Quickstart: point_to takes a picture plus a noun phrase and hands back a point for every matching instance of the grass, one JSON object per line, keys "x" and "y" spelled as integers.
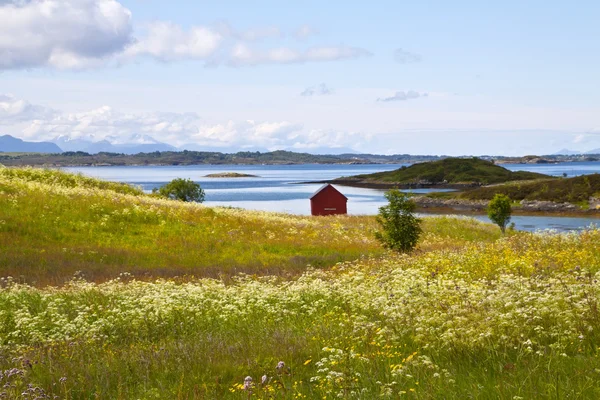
{"x": 572, "y": 190}
{"x": 469, "y": 314}
{"x": 54, "y": 224}
{"x": 451, "y": 171}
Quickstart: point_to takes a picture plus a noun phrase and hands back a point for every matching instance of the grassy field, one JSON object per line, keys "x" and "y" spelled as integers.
{"x": 55, "y": 224}
{"x": 164, "y": 312}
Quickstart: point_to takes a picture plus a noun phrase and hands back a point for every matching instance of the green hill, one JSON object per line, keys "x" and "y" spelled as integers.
{"x": 449, "y": 171}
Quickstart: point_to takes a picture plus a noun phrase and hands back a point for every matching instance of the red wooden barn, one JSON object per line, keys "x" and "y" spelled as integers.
{"x": 328, "y": 201}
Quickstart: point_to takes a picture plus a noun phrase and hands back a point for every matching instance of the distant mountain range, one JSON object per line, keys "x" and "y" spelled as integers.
{"x": 9, "y": 144}
{"x": 132, "y": 145}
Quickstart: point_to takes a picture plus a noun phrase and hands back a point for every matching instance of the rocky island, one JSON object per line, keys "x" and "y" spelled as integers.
{"x": 455, "y": 173}
{"x": 230, "y": 175}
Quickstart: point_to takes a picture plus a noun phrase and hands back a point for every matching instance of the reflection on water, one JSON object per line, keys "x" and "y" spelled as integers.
{"x": 276, "y": 189}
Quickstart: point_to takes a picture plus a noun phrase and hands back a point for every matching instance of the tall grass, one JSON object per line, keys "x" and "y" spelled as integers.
{"x": 467, "y": 315}
{"x": 54, "y": 224}
{"x": 430, "y": 325}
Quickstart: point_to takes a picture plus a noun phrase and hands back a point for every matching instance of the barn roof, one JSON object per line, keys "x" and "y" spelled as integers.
{"x": 324, "y": 187}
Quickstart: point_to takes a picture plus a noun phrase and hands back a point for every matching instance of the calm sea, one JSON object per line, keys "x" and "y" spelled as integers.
{"x": 276, "y": 187}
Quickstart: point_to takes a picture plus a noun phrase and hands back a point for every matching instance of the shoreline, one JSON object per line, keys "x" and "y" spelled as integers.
{"x": 515, "y": 212}
{"x": 462, "y": 206}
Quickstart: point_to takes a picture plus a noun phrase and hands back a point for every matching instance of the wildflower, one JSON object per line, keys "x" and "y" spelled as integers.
{"x": 248, "y": 383}
{"x": 280, "y": 366}
{"x": 264, "y": 380}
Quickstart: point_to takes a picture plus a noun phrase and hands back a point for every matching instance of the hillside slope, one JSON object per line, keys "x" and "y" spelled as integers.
{"x": 53, "y": 224}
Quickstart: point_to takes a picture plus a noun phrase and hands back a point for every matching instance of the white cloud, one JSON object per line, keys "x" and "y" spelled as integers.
{"x": 272, "y": 135}
{"x": 329, "y": 138}
{"x": 32, "y": 122}
{"x": 105, "y": 123}
{"x": 13, "y": 110}
{"x": 260, "y": 33}
{"x": 166, "y": 41}
{"x": 406, "y": 57}
{"x": 402, "y": 96}
{"x": 62, "y": 33}
{"x": 78, "y": 34}
{"x": 319, "y": 90}
{"x": 242, "y": 55}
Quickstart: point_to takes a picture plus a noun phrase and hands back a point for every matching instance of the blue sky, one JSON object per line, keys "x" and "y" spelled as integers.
{"x": 431, "y": 77}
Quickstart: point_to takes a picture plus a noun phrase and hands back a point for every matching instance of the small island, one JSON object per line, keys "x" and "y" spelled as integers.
{"x": 455, "y": 173}
{"x": 230, "y": 175}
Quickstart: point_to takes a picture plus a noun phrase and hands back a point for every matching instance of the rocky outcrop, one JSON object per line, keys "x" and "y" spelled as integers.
{"x": 481, "y": 205}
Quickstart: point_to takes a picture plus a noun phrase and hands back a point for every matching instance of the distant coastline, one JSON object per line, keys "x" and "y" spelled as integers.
{"x": 280, "y": 157}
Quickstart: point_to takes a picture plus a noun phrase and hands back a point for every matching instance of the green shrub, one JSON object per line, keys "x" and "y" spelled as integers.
{"x": 181, "y": 189}
{"x": 400, "y": 228}
{"x": 499, "y": 211}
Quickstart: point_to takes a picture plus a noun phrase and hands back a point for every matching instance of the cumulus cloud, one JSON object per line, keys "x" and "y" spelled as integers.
{"x": 13, "y": 110}
{"x": 62, "y": 34}
{"x": 33, "y": 122}
{"x": 406, "y": 57}
{"x": 319, "y": 90}
{"x": 242, "y": 55}
{"x": 78, "y": 34}
{"x": 106, "y": 123}
{"x": 248, "y": 133}
{"x": 402, "y": 96}
{"x": 328, "y": 138}
{"x": 167, "y": 41}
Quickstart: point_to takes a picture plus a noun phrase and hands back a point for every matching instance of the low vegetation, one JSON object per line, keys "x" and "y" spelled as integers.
{"x": 499, "y": 211}
{"x": 239, "y": 314}
{"x": 516, "y": 318}
{"x": 400, "y": 228}
{"x": 53, "y": 224}
{"x": 449, "y": 171}
{"x": 572, "y": 190}
{"x": 181, "y": 189}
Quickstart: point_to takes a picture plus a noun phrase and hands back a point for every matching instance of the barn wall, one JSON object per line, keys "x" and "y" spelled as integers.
{"x": 328, "y": 202}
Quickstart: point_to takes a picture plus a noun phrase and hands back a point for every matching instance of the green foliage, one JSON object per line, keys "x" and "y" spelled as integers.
{"x": 400, "y": 228}
{"x": 452, "y": 171}
{"x": 499, "y": 211}
{"x": 181, "y": 189}
{"x": 572, "y": 190}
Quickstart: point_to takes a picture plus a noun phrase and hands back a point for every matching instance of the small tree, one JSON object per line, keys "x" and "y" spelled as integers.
{"x": 181, "y": 189}
{"x": 499, "y": 211}
{"x": 400, "y": 228}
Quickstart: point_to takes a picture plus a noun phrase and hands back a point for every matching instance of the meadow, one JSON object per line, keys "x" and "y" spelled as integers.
{"x": 119, "y": 295}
